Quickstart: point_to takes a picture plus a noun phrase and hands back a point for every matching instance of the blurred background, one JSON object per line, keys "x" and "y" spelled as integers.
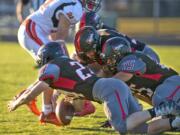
{"x": 152, "y": 21}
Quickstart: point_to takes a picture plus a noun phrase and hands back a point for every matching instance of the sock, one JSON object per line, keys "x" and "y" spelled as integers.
{"x": 47, "y": 109}
{"x": 152, "y": 112}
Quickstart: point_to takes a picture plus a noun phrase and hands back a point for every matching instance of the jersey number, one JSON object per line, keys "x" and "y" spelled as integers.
{"x": 144, "y": 91}
{"x": 80, "y": 70}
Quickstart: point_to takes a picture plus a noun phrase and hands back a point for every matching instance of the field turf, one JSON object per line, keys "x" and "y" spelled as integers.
{"x": 17, "y": 72}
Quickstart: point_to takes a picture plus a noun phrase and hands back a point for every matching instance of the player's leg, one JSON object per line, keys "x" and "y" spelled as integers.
{"x": 168, "y": 90}
{"x": 27, "y": 43}
{"x": 151, "y": 53}
{"x": 115, "y": 95}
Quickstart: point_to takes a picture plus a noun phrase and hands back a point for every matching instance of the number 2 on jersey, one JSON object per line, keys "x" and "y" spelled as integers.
{"x": 79, "y": 71}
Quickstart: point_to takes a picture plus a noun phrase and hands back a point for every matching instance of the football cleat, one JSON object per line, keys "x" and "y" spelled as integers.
{"x": 105, "y": 124}
{"x": 49, "y": 118}
{"x": 167, "y": 108}
{"x": 33, "y": 107}
{"x": 176, "y": 124}
{"x": 88, "y": 108}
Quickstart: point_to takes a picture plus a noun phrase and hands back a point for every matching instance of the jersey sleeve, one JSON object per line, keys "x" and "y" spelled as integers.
{"x": 131, "y": 64}
{"x": 49, "y": 73}
{"x": 72, "y": 12}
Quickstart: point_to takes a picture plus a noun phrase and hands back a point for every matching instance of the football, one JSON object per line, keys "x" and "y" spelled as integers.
{"x": 64, "y": 112}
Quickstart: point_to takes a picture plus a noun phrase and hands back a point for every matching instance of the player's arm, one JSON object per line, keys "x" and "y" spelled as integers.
{"x": 48, "y": 74}
{"x": 63, "y": 27}
{"x": 62, "y": 31}
{"x": 28, "y": 95}
{"x": 128, "y": 67}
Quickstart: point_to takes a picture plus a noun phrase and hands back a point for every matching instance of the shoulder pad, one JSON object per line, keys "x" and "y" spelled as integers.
{"x": 49, "y": 73}
{"x": 132, "y": 64}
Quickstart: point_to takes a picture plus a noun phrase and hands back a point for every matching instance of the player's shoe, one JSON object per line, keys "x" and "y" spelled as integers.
{"x": 33, "y": 107}
{"x": 49, "y": 118}
{"x": 105, "y": 124}
{"x": 88, "y": 108}
{"x": 167, "y": 108}
{"x": 175, "y": 124}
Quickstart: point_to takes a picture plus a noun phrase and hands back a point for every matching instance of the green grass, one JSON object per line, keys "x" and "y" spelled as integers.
{"x": 17, "y": 72}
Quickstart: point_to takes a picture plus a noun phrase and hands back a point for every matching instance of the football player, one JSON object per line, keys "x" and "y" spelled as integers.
{"x": 91, "y": 18}
{"x": 122, "y": 110}
{"x": 89, "y": 44}
{"x": 54, "y": 16}
{"x": 154, "y": 81}
{"x": 83, "y": 44}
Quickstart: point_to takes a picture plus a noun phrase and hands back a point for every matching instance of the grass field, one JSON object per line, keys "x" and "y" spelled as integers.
{"x": 17, "y": 72}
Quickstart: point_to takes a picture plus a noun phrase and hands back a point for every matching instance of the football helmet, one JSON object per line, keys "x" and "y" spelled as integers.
{"x": 91, "y": 19}
{"x": 86, "y": 39}
{"x": 113, "y": 50}
{"x": 49, "y": 52}
{"x": 91, "y": 5}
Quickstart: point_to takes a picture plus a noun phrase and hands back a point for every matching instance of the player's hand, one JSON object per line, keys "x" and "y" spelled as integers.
{"x": 12, "y": 105}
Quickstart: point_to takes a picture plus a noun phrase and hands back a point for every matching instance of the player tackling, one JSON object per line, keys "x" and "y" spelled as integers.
{"x": 122, "y": 110}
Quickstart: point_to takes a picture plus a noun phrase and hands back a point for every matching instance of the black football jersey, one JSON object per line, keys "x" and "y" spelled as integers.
{"x": 147, "y": 74}
{"x": 106, "y": 34}
{"x": 69, "y": 75}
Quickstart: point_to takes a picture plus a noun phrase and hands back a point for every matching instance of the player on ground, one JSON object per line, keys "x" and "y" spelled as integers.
{"x": 89, "y": 44}
{"x": 54, "y": 16}
{"x": 155, "y": 82}
{"x": 122, "y": 110}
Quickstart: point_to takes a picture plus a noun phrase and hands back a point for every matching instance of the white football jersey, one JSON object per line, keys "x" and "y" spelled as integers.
{"x": 47, "y": 17}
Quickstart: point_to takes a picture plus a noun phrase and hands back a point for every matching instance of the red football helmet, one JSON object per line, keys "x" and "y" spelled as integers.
{"x": 91, "y": 19}
{"x": 91, "y": 5}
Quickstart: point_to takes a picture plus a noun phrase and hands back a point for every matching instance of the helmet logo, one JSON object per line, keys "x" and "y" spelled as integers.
{"x": 117, "y": 48}
{"x": 90, "y": 39}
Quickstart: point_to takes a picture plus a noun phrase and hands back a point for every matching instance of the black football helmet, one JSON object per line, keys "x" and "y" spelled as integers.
{"x": 86, "y": 39}
{"x": 49, "y": 52}
{"x": 91, "y": 5}
{"x": 114, "y": 50}
{"x": 91, "y": 19}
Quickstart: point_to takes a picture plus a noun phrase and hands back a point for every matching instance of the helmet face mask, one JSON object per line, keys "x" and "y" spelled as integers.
{"x": 86, "y": 40}
{"x": 92, "y": 5}
{"x": 115, "y": 49}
